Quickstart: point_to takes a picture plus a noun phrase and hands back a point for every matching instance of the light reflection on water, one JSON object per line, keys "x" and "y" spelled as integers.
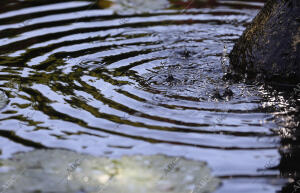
{"x": 92, "y": 80}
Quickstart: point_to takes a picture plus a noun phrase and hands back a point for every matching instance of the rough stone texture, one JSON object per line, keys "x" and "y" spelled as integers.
{"x": 270, "y": 46}
{"x": 61, "y": 171}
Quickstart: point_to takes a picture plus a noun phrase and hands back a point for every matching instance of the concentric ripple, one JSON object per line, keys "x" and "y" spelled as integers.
{"x": 90, "y": 78}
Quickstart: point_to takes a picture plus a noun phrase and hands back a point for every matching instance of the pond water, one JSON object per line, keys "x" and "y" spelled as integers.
{"x": 131, "y": 77}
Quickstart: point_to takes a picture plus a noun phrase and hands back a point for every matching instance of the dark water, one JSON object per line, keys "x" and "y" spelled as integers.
{"x": 89, "y": 77}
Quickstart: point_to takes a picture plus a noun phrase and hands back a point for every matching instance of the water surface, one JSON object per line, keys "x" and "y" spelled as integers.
{"x": 92, "y": 77}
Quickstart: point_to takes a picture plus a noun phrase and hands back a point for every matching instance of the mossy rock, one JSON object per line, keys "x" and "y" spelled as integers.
{"x": 269, "y": 48}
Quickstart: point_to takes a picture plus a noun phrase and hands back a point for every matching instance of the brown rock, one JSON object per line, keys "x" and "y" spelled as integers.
{"x": 270, "y": 46}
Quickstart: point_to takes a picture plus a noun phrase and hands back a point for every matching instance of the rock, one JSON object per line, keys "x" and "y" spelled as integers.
{"x": 3, "y": 99}
{"x": 134, "y": 5}
{"x": 270, "y": 46}
{"x": 65, "y": 171}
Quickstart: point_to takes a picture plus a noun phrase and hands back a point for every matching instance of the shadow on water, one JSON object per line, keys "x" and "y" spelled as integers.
{"x": 132, "y": 77}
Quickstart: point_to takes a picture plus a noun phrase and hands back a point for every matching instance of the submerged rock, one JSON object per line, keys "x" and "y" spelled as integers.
{"x": 134, "y": 5}
{"x": 66, "y": 171}
{"x": 3, "y": 99}
{"x": 270, "y": 46}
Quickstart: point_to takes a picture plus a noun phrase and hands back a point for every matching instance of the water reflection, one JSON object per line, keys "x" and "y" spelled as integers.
{"x": 84, "y": 76}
